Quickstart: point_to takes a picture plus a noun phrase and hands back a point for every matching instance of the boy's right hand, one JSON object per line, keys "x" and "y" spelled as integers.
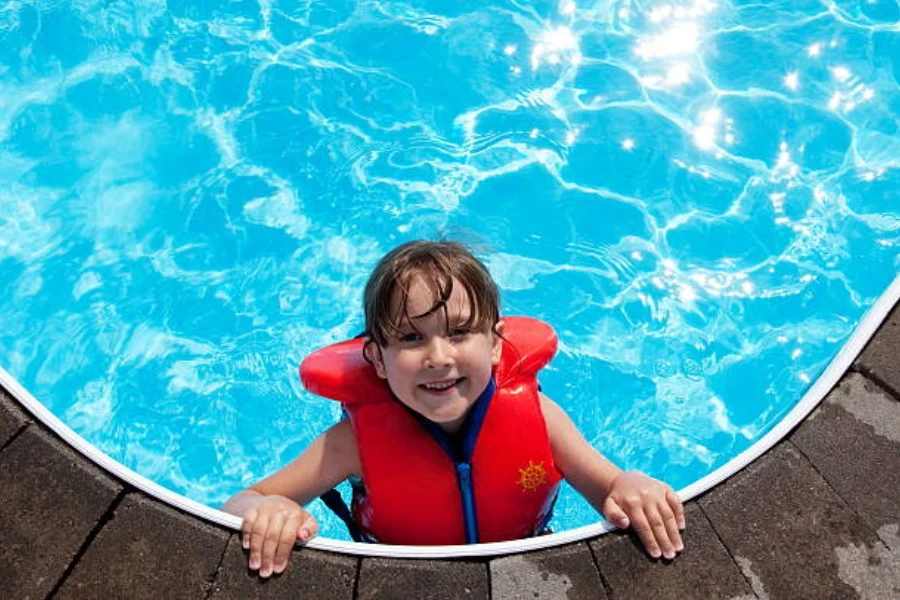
{"x": 269, "y": 531}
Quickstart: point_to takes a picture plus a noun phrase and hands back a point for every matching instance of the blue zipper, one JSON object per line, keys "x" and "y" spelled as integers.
{"x": 464, "y": 474}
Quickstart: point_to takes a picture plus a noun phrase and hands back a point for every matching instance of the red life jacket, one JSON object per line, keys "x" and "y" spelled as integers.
{"x": 416, "y": 491}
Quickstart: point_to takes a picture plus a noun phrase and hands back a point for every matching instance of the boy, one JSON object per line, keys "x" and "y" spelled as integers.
{"x": 435, "y": 337}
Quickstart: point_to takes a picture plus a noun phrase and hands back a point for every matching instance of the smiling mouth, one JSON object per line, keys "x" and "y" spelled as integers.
{"x": 441, "y": 386}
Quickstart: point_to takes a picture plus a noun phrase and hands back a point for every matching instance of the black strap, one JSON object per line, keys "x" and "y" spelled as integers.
{"x": 332, "y": 499}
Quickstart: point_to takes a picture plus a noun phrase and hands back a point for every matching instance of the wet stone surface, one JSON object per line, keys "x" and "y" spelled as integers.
{"x": 148, "y": 550}
{"x": 310, "y": 574}
{"x": 782, "y": 523}
{"x": 703, "y": 570}
{"x": 566, "y": 572}
{"x": 879, "y": 358}
{"x": 50, "y": 501}
{"x": 853, "y": 440}
{"x": 435, "y": 580}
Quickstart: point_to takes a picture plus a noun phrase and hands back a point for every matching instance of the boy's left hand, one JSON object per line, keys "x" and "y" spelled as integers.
{"x": 651, "y": 508}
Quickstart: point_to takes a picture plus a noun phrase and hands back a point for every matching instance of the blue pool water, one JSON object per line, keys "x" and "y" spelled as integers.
{"x": 701, "y": 197}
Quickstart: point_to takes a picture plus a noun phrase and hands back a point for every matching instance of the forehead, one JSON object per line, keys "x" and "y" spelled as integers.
{"x": 423, "y": 295}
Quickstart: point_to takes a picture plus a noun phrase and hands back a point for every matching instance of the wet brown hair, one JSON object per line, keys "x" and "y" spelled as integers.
{"x": 438, "y": 264}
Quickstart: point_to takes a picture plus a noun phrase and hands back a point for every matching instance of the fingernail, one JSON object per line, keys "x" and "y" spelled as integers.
{"x": 669, "y": 555}
{"x": 254, "y": 563}
{"x": 679, "y": 547}
{"x": 304, "y": 534}
{"x": 655, "y": 553}
{"x": 265, "y": 572}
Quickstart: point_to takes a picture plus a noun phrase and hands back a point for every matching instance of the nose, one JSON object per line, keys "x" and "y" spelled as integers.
{"x": 439, "y": 352}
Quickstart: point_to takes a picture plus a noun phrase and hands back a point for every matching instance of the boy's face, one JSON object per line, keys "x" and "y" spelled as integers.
{"x": 438, "y": 368}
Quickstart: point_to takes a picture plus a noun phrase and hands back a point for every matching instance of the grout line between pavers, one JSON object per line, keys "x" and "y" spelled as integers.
{"x": 356, "y": 578}
{"x": 606, "y": 585}
{"x": 215, "y": 575}
{"x": 14, "y": 436}
{"x": 883, "y": 385}
{"x": 820, "y": 474}
{"x": 487, "y": 565}
{"x": 880, "y": 383}
{"x": 728, "y": 550}
{"x": 88, "y": 540}
{"x": 843, "y": 500}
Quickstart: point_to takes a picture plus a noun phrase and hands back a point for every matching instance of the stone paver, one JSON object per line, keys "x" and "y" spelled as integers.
{"x": 853, "y": 440}
{"x": 310, "y": 574}
{"x": 435, "y": 580}
{"x": 566, "y": 572}
{"x": 12, "y": 419}
{"x": 703, "y": 570}
{"x": 783, "y": 525}
{"x": 50, "y": 501}
{"x": 879, "y": 358}
{"x": 148, "y": 550}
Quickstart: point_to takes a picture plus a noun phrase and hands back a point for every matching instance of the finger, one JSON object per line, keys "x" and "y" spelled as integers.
{"x": 246, "y": 528}
{"x": 644, "y": 531}
{"x": 309, "y": 528}
{"x": 286, "y": 541}
{"x": 662, "y": 520}
{"x": 257, "y": 536}
{"x": 270, "y": 544}
{"x": 614, "y": 513}
{"x": 658, "y": 528}
{"x": 677, "y": 507}
{"x": 672, "y": 532}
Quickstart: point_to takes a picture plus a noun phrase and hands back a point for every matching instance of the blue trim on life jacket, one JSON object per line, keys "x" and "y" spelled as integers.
{"x": 460, "y": 448}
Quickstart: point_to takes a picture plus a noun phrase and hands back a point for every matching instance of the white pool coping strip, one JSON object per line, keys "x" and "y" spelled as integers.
{"x": 829, "y": 378}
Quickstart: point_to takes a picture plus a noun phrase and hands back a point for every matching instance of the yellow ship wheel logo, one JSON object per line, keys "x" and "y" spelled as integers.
{"x": 532, "y": 476}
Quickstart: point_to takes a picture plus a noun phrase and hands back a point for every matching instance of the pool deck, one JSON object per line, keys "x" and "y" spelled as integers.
{"x": 818, "y": 516}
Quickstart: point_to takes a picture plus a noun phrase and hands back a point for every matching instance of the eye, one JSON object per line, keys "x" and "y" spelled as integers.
{"x": 410, "y": 337}
{"x": 460, "y": 332}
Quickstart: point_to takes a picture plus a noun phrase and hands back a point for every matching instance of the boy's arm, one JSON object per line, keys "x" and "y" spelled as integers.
{"x": 272, "y": 513}
{"x": 329, "y": 460}
{"x": 625, "y": 498}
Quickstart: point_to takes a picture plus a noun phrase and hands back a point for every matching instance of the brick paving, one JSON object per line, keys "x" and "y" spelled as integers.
{"x": 818, "y": 516}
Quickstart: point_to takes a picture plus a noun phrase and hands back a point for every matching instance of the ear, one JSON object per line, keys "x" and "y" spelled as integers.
{"x": 373, "y": 353}
{"x": 497, "y": 348}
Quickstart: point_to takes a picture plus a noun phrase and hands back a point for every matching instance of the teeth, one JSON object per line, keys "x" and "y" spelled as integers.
{"x": 440, "y": 386}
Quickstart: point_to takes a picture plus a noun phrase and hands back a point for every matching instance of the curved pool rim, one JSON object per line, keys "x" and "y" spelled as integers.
{"x": 815, "y": 394}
